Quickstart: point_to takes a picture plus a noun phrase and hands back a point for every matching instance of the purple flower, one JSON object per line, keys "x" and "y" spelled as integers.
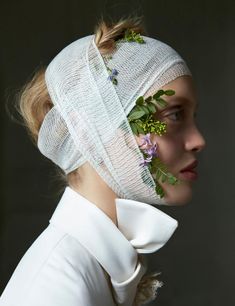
{"x": 152, "y": 151}
{"x": 146, "y": 161}
{"x": 143, "y": 163}
{"x": 114, "y": 71}
{"x": 110, "y": 77}
{"x": 146, "y": 139}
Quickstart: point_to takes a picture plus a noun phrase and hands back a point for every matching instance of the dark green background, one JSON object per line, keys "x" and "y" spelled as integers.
{"x": 198, "y": 262}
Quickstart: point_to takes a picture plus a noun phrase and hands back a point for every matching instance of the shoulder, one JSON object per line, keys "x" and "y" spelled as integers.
{"x": 52, "y": 249}
{"x": 56, "y": 267}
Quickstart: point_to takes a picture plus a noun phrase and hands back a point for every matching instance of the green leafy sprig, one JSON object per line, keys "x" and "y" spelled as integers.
{"x": 161, "y": 173}
{"x": 142, "y": 122}
{"x": 141, "y": 116}
{"x": 131, "y": 35}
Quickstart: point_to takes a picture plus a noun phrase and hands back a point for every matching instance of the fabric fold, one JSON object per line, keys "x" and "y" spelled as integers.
{"x": 125, "y": 291}
{"x": 141, "y": 229}
{"x": 146, "y": 227}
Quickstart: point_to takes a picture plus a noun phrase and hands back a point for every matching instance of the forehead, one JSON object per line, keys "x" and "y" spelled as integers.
{"x": 185, "y": 92}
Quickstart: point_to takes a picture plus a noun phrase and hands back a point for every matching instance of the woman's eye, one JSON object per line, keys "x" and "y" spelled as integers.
{"x": 175, "y": 116}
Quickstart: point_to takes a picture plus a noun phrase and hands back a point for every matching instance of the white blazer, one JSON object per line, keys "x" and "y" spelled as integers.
{"x": 83, "y": 259}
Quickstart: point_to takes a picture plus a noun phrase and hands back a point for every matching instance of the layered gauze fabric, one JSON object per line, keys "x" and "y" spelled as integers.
{"x": 88, "y": 122}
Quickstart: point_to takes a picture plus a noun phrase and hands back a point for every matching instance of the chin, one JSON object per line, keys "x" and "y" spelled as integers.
{"x": 175, "y": 196}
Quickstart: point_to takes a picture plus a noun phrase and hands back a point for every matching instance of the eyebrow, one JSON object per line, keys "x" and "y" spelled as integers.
{"x": 183, "y": 100}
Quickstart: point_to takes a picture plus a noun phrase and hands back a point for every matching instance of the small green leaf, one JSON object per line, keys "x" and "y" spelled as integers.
{"x": 152, "y": 108}
{"x": 136, "y": 108}
{"x": 169, "y": 92}
{"x": 158, "y": 94}
{"x": 134, "y": 128}
{"x": 158, "y": 174}
{"x": 164, "y": 177}
{"x": 154, "y": 102}
{"x": 159, "y": 191}
{"x": 145, "y": 109}
{"x": 140, "y": 129}
{"x": 140, "y": 100}
{"x": 149, "y": 99}
{"x": 161, "y": 102}
{"x": 132, "y": 112}
{"x": 136, "y": 115}
{"x": 172, "y": 180}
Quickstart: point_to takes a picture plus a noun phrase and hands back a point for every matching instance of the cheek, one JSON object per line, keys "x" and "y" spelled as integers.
{"x": 169, "y": 150}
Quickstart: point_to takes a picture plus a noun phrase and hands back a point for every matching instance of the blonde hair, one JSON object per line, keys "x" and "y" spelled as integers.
{"x": 106, "y": 33}
{"x": 34, "y": 101}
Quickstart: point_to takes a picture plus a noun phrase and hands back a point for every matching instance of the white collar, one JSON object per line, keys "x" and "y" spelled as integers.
{"x": 142, "y": 228}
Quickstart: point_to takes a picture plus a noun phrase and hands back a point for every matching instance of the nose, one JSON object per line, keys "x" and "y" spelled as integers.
{"x": 195, "y": 141}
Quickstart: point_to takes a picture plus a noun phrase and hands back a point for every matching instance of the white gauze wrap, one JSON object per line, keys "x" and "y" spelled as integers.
{"x": 88, "y": 122}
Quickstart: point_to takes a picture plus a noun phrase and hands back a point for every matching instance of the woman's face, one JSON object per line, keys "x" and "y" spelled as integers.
{"x": 177, "y": 148}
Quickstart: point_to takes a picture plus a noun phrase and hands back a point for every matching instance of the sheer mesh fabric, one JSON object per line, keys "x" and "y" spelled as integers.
{"x": 88, "y": 122}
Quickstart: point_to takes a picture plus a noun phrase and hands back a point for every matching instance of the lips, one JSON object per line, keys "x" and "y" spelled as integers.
{"x": 189, "y": 173}
{"x": 190, "y": 167}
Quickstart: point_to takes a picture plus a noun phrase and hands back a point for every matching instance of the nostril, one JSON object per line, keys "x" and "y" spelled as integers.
{"x": 197, "y": 149}
{"x": 200, "y": 147}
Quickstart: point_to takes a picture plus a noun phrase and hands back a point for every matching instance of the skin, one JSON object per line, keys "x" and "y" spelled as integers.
{"x": 177, "y": 149}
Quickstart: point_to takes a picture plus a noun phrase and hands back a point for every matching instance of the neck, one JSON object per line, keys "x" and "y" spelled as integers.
{"x": 91, "y": 186}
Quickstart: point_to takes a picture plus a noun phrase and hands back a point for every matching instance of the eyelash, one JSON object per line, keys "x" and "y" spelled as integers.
{"x": 180, "y": 111}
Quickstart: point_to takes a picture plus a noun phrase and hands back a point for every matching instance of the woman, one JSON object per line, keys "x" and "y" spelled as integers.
{"x": 123, "y": 146}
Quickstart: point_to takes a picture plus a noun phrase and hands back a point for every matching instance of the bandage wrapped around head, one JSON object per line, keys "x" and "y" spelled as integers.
{"x": 88, "y": 122}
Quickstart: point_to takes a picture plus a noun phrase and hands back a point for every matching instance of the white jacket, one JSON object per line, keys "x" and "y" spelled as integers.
{"x": 83, "y": 259}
